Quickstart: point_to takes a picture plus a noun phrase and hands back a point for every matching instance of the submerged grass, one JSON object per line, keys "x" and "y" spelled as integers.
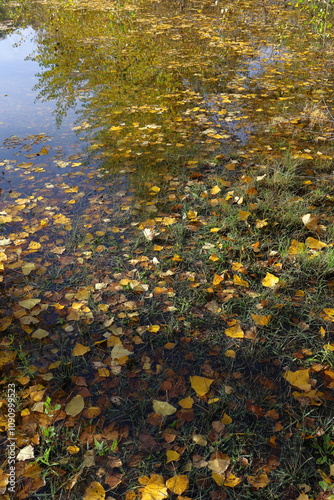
{"x": 194, "y": 276}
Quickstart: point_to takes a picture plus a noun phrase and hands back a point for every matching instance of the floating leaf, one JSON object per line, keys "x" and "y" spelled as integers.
{"x": 178, "y": 484}
{"x": 163, "y": 408}
{"x": 201, "y": 385}
{"x": 299, "y": 379}
{"x": 75, "y": 406}
{"x": 270, "y": 280}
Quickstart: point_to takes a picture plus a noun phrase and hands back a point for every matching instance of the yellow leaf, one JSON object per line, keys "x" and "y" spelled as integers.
{"x": 299, "y": 379}
{"x": 219, "y": 465}
{"x": 235, "y": 332}
{"x": 230, "y": 354}
{"x": 329, "y": 314}
{"x": 168, "y": 221}
{"x": 312, "y": 397}
{"x": 177, "y": 484}
{"x": 218, "y": 479}
{"x": 80, "y": 350}
{"x": 214, "y": 257}
{"x": 5, "y": 322}
{"x": 75, "y": 406}
{"x": 61, "y": 219}
{"x": 29, "y": 303}
{"x": 215, "y": 190}
{"x": 172, "y": 456}
{"x": 155, "y": 189}
{"x": 34, "y": 245}
{"x": 214, "y": 230}
{"x": 153, "y": 328}
{"x": 199, "y": 439}
{"x": 261, "y": 223}
{"x": 296, "y": 247}
{"x": 163, "y": 408}
{"x": 217, "y": 279}
{"x": 226, "y": 419}
{"x": 191, "y": 214}
{"x": 270, "y": 280}
{"x": 201, "y": 385}
{"x": 40, "y": 334}
{"x": 243, "y": 215}
{"x": 310, "y": 221}
{"x": 261, "y": 320}
{"x": 259, "y": 481}
{"x": 154, "y": 489}
{"x": 315, "y": 244}
{"x": 95, "y": 491}
{"x": 239, "y": 281}
{"x": 231, "y": 481}
{"x": 28, "y": 267}
{"x": 73, "y": 450}
{"x": 186, "y": 402}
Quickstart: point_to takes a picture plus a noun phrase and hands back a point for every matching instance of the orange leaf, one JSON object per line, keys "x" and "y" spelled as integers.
{"x": 259, "y": 481}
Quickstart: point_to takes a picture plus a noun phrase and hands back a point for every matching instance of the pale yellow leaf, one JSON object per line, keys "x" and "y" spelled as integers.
{"x": 299, "y": 379}
{"x": 177, "y": 484}
{"x": 163, "y": 408}
{"x": 75, "y": 406}
{"x": 95, "y": 491}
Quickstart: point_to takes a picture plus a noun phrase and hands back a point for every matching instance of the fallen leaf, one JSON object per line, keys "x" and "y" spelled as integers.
{"x": 26, "y": 453}
{"x": 270, "y": 280}
{"x": 259, "y": 481}
{"x": 299, "y": 379}
{"x": 75, "y": 406}
{"x": 201, "y": 385}
{"x": 172, "y": 456}
{"x": 315, "y": 244}
{"x": 163, "y": 408}
{"x": 177, "y": 484}
{"x": 231, "y": 481}
{"x": 80, "y": 350}
{"x": 239, "y": 281}
{"x": 154, "y": 488}
{"x": 235, "y": 332}
{"x": 95, "y": 491}
{"x": 29, "y": 303}
{"x": 261, "y": 320}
